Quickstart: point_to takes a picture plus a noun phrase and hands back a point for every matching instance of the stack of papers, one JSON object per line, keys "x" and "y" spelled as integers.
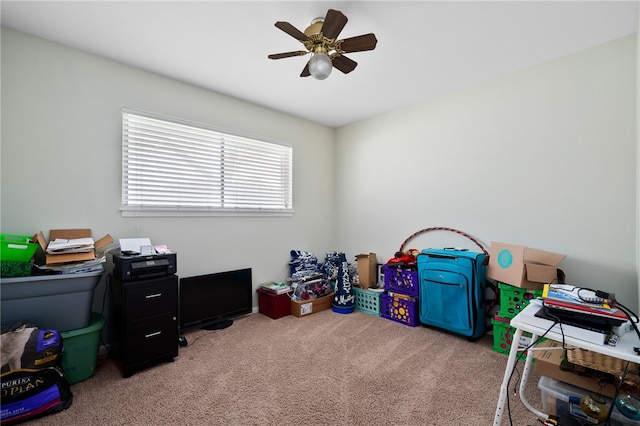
{"x": 73, "y": 251}
{"x": 76, "y": 245}
{"x": 76, "y": 268}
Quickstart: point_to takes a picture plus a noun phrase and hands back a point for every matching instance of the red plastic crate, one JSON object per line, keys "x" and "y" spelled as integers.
{"x": 273, "y": 305}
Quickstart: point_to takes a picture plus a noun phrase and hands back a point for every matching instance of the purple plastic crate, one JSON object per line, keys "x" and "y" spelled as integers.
{"x": 402, "y": 280}
{"x": 399, "y": 309}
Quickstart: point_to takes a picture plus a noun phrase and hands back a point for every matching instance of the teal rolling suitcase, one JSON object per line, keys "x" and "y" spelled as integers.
{"x": 452, "y": 290}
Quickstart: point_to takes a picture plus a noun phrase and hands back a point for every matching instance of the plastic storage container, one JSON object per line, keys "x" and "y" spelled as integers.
{"x": 402, "y": 280}
{"x": 58, "y": 302}
{"x": 503, "y": 336}
{"x": 81, "y": 350}
{"x": 556, "y": 397}
{"x": 514, "y": 299}
{"x": 399, "y": 308}
{"x": 367, "y": 301}
{"x": 273, "y": 305}
{"x": 16, "y": 252}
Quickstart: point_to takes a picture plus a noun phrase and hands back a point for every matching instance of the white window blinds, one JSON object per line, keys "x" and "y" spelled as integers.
{"x": 181, "y": 168}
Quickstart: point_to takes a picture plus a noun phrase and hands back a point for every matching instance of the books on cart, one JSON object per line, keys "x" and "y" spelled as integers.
{"x": 582, "y": 314}
{"x": 579, "y": 300}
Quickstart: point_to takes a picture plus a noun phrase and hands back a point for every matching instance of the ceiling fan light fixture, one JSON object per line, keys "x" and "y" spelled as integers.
{"x": 327, "y": 50}
{"x": 320, "y": 66}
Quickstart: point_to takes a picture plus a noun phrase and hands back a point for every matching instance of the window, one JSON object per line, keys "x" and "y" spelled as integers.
{"x": 171, "y": 167}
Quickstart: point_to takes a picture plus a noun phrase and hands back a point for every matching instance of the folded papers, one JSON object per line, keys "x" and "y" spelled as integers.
{"x": 75, "y": 245}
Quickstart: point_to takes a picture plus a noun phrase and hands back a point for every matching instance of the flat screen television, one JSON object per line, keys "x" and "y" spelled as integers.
{"x": 212, "y": 301}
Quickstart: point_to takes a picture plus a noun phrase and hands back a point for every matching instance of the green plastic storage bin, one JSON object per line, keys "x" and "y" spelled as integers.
{"x": 16, "y": 252}
{"x": 81, "y": 350}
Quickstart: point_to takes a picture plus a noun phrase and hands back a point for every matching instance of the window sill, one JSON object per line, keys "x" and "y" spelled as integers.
{"x": 128, "y": 212}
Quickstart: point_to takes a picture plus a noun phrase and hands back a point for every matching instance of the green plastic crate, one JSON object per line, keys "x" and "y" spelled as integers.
{"x": 514, "y": 299}
{"x": 16, "y": 253}
{"x": 367, "y": 301}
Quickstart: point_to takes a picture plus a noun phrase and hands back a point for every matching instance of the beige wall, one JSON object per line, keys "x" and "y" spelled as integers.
{"x": 61, "y": 160}
{"x": 544, "y": 157}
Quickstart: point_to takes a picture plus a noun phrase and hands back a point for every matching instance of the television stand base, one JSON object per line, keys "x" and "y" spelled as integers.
{"x": 218, "y": 325}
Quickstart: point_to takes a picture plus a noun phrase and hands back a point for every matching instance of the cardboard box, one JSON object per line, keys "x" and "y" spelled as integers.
{"x": 308, "y": 307}
{"x": 524, "y": 267}
{"x": 56, "y": 259}
{"x": 548, "y": 364}
{"x": 367, "y": 270}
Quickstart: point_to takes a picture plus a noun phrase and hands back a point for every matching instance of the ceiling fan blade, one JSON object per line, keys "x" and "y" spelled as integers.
{"x": 292, "y": 31}
{"x": 359, "y": 43}
{"x": 334, "y": 22}
{"x": 288, "y": 54}
{"x": 305, "y": 72}
{"x": 344, "y": 64}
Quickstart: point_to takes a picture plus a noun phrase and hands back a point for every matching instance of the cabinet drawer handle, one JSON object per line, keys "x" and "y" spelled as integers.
{"x": 157, "y": 333}
{"x": 151, "y": 296}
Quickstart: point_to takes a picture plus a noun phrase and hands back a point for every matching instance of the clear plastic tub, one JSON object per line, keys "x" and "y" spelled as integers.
{"x": 559, "y": 398}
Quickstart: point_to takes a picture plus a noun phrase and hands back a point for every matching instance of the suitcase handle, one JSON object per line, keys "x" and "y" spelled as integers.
{"x": 437, "y": 256}
{"x": 442, "y": 228}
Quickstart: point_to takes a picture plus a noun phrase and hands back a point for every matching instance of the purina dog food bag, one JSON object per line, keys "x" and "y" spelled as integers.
{"x": 26, "y": 346}
{"x": 31, "y": 393}
{"x": 33, "y": 381}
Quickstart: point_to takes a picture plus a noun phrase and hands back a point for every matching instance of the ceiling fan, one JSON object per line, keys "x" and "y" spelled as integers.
{"x": 320, "y": 39}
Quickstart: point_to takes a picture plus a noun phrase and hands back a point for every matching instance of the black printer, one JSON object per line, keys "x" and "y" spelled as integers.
{"x": 127, "y": 267}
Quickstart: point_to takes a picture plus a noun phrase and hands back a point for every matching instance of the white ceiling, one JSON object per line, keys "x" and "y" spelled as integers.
{"x": 425, "y": 48}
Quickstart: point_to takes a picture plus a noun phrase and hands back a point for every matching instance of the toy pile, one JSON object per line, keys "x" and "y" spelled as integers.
{"x": 310, "y": 278}
{"x": 306, "y": 280}
{"x": 406, "y": 259}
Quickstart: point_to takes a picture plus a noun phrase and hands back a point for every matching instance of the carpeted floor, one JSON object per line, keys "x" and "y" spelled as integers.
{"x": 322, "y": 369}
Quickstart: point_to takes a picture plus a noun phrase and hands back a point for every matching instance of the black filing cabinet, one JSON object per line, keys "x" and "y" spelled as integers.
{"x": 147, "y": 321}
